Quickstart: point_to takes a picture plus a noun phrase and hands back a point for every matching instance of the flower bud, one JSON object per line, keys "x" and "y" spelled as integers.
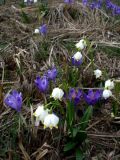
{"x": 97, "y": 73}
{"x": 109, "y": 84}
{"x": 107, "y": 93}
{"x": 51, "y": 120}
{"x": 81, "y": 44}
{"x": 40, "y": 114}
{"x": 57, "y": 93}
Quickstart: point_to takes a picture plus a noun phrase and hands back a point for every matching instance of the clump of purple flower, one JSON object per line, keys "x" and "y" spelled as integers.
{"x": 98, "y": 4}
{"x": 43, "y": 29}
{"x": 74, "y": 95}
{"x": 92, "y": 97}
{"x": 69, "y": 1}
{"x": 14, "y": 100}
{"x": 42, "y": 83}
{"x": 52, "y": 73}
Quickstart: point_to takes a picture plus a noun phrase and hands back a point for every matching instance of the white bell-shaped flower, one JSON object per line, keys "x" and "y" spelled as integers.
{"x": 81, "y": 44}
{"x": 77, "y": 56}
{"x": 109, "y": 84}
{"x": 107, "y": 93}
{"x": 40, "y": 113}
{"x": 36, "y": 31}
{"x": 35, "y": 1}
{"x": 97, "y": 73}
{"x": 57, "y": 93}
{"x": 51, "y": 120}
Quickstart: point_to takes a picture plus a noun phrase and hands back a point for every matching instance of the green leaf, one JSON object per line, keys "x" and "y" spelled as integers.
{"x": 25, "y": 17}
{"x": 75, "y": 131}
{"x": 79, "y": 155}
{"x": 117, "y": 89}
{"x": 2, "y": 46}
{"x": 70, "y": 114}
{"x": 85, "y": 118}
{"x": 2, "y": 2}
{"x": 69, "y": 146}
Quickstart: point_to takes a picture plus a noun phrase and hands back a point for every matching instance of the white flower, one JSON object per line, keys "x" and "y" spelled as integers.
{"x": 36, "y": 31}
{"x": 25, "y": 1}
{"x": 109, "y": 84}
{"x": 77, "y": 56}
{"x": 35, "y": 1}
{"x": 51, "y": 120}
{"x": 81, "y": 44}
{"x": 40, "y": 113}
{"x": 97, "y": 73}
{"x": 107, "y": 93}
{"x": 57, "y": 93}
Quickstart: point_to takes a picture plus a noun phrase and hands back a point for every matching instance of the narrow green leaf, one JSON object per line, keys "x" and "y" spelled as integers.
{"x": 25, "y": 17}
{"x": 85, "y": 118}
{"x": 70, "y": 114}
{"x": 79, "y": 155}
{"x": 75, "y": 131}
{"x": 69, "y": 146}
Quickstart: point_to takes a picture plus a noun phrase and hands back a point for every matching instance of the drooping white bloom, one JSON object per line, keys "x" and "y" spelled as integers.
{"x": 77, "y": 56}
{"x": 57, "y": 93}
{"x": 40, "y": 113}
{"x": 107, "y": 93}
{"x": 51, "y": 120}
{"x": 25, "y": 1}
{"x": 109, "y": 84}
{"x": 36, "y": 31}
{"x": 97, "y": 73}
{"x": 81, "y": 44}
{"x": 35, "y": 1}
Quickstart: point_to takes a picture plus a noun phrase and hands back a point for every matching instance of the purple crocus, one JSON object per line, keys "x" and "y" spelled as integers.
{"x": 69, "y": 1}
{"x": 85, "y": 2}
{"x": 76, "y": 63}
{"x": 42, "y": 83}
{"x": 14, "y": 100}
{"x": 43, "y": 29}
{"x": 74, "y": 95}
{"x": 113, "y": 7}
{"x": 52, "y": 73}
{"x": 92, "y": 97}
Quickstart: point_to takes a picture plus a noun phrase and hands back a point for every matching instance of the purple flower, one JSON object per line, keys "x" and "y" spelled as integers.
{"x": 92, "y": 97}
{"x": 43, "y": 29}
{"x": 51, "y": 74}
{"x": 69, "y": 1}
{"x": 74, "y": 95}
{"x": 42, "y": 83}
{"x": 14, "y": 100}
{"x": 97, "y": 5}
{"x": 76, "y": 62}
{"x": 85, "y": 2}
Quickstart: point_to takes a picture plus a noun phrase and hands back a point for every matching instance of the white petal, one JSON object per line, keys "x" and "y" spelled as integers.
{"x": 77, "y": 56}
{"x": 54, "y": 120}
{"x": 109, "y": 84}
{"x": 57, "y": 93}
{"x": 81, "y": 44}
{"x": 97, "y": 73}
{"x": 47, "y": 120}
{"x": 36, "y": 31}
{"x": 107, "y": 93}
